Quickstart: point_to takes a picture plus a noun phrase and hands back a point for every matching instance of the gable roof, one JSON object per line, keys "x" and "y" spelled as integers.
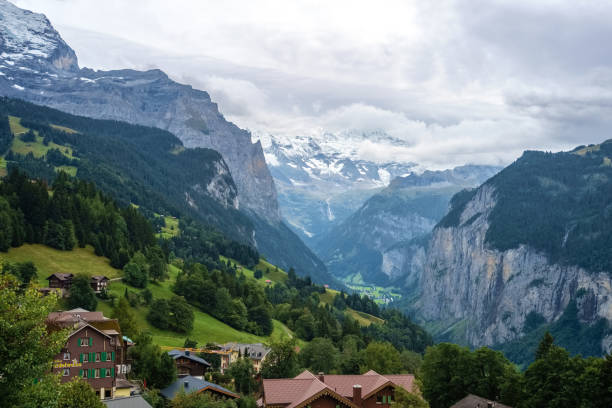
{"x": 256, "y": 351}
{"x": 135, "y": 401}
{"x": 175, "y": 354}
{"x": 75, "y": 315}
{"x": 193, "y": 384}
{"x": 293, "y": 392}
{"x": 99, "y": 278}
{"x": 61, "y": 276}
{"x": 474, "y": 401}
{"x": 83, "y": 325}
{"x": 296, "y": 392}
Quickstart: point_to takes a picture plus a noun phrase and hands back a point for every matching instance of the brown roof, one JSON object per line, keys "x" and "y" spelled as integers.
{"x": 474, "y": 401}
{"x": 99, "y": 278}
{"x": 124, "y": 383}
{"x": 293, "y": 392}
{"x": 61, "y": 276}
{"x": 74, "y": 316}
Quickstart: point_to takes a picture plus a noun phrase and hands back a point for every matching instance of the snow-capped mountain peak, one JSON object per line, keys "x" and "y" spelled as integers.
{"x": 28, "y": 40}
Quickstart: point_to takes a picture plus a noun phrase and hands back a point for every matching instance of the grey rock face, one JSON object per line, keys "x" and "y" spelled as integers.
{"x": 38, "y": 66}
{"x": 384, "y": 241}
{"x": 489, "y": 293}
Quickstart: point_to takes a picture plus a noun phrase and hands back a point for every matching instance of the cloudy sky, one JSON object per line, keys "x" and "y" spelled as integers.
{"x": 453, "y": 82}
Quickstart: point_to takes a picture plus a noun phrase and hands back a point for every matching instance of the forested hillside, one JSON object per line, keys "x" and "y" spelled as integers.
{"x": 137, "y": 165}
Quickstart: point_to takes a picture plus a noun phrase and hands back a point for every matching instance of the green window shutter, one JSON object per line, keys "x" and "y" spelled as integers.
{"x": 384, "y": 401}
{"x": 112, "y": 356}
{"x": 79, "y": 341}
{"x": 113, "y": 372}
{"x": 91, "y": 341}
{"x": 103, "y": 356}
{"x": 102, "y": 372}
{"x": 92, "y": 373}
{"x": 81, "y": 373}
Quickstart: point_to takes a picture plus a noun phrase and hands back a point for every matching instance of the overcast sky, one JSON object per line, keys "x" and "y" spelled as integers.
{"x": 454, "y": 82}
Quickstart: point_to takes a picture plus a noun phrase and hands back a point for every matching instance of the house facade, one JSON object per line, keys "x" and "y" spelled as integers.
{"x": 257, "y": 352}
{"x": 89, "y": 354}
{"x": 370, "y": 390}
{"x": 189, "y": 364}
{"x": 60, "y": 281}
{"x": 94, "y": 349}
{"x": 99, "y": 283}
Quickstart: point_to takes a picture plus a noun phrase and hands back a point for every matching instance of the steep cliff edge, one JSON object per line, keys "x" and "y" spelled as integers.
{"x": 526, "y": 245}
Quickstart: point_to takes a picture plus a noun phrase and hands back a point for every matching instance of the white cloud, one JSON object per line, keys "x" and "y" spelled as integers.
{"x": 451, "y": 82}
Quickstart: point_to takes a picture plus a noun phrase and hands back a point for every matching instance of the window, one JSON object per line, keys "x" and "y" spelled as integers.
{"x": 66, "y": 372}
{"x": 85, "y": 373}
{"x": 97, "y": 373}
{"x": 83, "y": 341}
{"x": 66, "y": 356}
{"x": 97, "y": 356}
{"x": 85, "y": 357}
{"x": 379, "y": 399}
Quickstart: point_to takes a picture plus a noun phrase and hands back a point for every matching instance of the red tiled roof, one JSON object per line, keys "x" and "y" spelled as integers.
{"x": 305, "y": 375}
{"x": 291, "y": 392}
{"x": 285, "y": 390}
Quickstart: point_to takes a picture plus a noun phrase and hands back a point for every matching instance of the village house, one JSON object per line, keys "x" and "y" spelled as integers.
{"x": 99, "y": 283}
{"x": 189, "y": 364}
{"x": 93, "y": 351}
{"x": 370, "y": 390}
{"x": 474, "y": 401}
{"x": 191, "y": 384}
{"x": 257, "y": 352}
{"x": 60, "y": 281}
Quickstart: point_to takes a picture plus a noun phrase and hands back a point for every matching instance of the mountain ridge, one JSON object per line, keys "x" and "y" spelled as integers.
{"x": 45, "y": 71}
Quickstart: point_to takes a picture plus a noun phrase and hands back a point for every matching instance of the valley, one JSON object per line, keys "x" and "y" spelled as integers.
{"x": 283, "y": 209}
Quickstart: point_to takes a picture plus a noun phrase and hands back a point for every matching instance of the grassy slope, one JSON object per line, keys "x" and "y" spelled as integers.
{"x": 170, "y": 228}
{"x": 83, "y": 260}
{"x": 49, "y": 260}
{"x": 278, "y": 275}
{"x": 2, "y": 167}
{"x": 37, "y": 148}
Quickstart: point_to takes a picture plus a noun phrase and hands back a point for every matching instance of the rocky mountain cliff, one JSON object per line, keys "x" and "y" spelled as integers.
{"x": 38, "y": 66}
{"x": 528, "y": 248}
{"x": 383, "y": 241}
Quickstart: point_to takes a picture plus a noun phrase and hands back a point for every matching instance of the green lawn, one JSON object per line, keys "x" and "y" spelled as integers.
{"x": 37, "y": 148}
{"x": 49, "y": 260}
{"x": 205, "y": 328}
{"x": 270, "y": 272}
{"x": 170, "y": 228}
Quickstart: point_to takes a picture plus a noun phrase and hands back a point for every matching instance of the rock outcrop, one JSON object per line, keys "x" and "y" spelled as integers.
{"x": 482, "y": 296}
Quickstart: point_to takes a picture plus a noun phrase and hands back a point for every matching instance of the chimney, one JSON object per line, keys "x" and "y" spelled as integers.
{"x": 321, "y": 376}
{"x": 357, "y": 394}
